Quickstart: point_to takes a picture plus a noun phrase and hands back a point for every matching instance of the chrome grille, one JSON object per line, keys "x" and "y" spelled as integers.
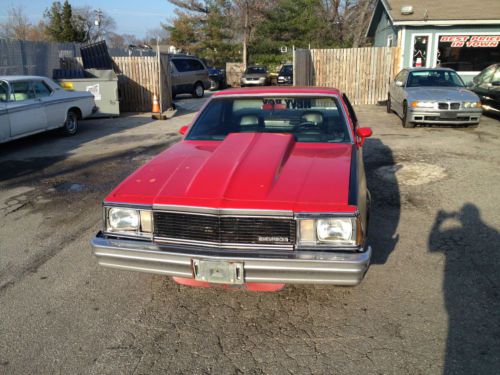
{"x": 454, "y": 105}
{"x": 217, "y": 229}
{"x": 443, "y": 106}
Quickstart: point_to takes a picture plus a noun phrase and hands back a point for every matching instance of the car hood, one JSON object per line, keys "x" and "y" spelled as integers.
{"x": 440, "y": 94}
{"x": 246, "y": 170}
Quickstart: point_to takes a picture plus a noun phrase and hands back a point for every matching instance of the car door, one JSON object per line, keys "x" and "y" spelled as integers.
{"x": 26, "y": 113}
{"x": 494, "y": 93}
{"x": 397, "y": 91}
{"x": 182, "y": 76}
{"x": 4, "y": 116}
{"x": 199, "y": 73}
{"x": 55, "y": 110}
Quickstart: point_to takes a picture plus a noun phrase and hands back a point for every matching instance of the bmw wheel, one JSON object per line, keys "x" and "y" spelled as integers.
{"x": 388, "y": 108}
{"x": 404, "y": 119}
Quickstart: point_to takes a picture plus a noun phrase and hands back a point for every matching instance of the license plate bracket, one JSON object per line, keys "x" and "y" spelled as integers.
{"x": 219, "y": 272}
{"x": 448, "y": 115}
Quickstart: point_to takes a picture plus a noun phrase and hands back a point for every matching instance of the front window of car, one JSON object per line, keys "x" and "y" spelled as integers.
{"x": 286, "y": 70}
{"x": 308, "y": 119}
{"x": 255, "y": 70}
{"x": 22, "y": 90}
{"x": 433, "y": 78}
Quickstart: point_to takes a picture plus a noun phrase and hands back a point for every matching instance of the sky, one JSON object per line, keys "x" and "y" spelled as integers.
{"x": 131, "y": 16}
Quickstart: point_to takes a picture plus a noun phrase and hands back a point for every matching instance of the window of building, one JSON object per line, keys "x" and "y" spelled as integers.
{"x": 468, "y": 53}
{"x": 420, "y": 51}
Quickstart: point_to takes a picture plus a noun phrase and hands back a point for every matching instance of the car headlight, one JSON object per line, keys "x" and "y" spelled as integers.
{"x": 423, "y": 104}
{"x": 472, "y": 104}
{"x": 128, "y": 221}
{"x": 340, "y": 231}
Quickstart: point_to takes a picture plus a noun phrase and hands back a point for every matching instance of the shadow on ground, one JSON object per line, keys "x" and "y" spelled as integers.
{"x": 471, "y": 290}
{"x": 386, "y": 201}
{"x": 56, "y": 147}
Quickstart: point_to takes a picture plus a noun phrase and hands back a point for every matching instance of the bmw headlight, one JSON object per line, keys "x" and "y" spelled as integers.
{"x": 337, "y": 231}
{"x": 469, "y": 105}
{"x": 128, "y": 221}
{"x": 423, "y": 104}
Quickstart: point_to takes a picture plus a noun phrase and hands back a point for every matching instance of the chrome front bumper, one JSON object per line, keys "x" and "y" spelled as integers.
{"x": 298, "y": 267}
{"x": 458, "y": 117}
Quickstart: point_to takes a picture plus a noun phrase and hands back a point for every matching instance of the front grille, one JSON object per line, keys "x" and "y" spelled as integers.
{"x": 224, "y": 229}
{"x": 443, "y": 106}
{"x": 454, "y": 105}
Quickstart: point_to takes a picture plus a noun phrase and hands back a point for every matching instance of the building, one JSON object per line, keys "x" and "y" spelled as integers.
{"x": 460, "y": 34}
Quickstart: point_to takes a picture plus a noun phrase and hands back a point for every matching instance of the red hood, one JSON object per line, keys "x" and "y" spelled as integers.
{"x": 246, "y": 170}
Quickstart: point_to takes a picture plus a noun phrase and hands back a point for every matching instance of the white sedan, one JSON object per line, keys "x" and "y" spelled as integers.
{"x": 31, "y": 104}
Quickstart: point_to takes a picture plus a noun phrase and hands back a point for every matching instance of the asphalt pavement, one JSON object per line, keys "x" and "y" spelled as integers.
{"x": 429, "y": 304}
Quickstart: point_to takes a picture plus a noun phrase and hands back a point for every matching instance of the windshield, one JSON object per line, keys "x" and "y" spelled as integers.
{"x": 426, "y": 78}
{"x": 309, "y": 119}
{"x": 255, "y": 70}
{"x": 286, "y": 70}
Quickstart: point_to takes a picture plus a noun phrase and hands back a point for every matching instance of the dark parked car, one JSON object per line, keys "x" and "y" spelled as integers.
{"x": 285, "y": 76}
{"x": 487, "y": 86}
{"x": 255, "y": 76}
{"x": 218, "y": 80}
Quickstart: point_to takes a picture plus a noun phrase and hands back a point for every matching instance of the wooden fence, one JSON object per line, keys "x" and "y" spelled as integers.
{"x": 138, "y": 80}
{"x": 362, "y": 73}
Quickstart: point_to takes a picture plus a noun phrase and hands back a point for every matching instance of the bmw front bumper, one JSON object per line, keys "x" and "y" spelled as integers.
{"x": 456, "y": 117}
{"x": 297, "y": 267}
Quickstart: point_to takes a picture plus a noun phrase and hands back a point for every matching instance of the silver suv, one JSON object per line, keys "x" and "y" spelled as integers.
{"x": 189, "y": 76}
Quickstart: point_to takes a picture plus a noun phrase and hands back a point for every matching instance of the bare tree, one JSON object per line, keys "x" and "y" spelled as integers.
{"x": 85, "y": 18}
{"x": 17, "y": 25}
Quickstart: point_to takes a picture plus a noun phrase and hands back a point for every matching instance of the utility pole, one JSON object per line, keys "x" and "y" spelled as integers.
{"x": 97, "y": 22}
{"x": 245, "y": 35}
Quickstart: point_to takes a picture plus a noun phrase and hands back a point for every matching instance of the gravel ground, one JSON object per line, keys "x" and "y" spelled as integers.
{"x": 429, "y": 304}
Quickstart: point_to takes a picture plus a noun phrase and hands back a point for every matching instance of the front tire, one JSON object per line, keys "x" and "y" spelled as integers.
{"x": 388, "y": 106}
{"x": 70, "y": 126}
{"x": 404, "y": 119}
{"x": 198, "y": 90}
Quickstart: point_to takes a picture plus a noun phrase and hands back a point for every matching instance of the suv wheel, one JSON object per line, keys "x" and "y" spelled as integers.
{"x": 198, "y": 90}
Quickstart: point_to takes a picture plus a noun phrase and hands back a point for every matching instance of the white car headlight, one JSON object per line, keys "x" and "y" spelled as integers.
{"x": 423, "y": 104}
{"x": 330, "y": 231}
{"x": 472, "y": 104}
{"x": 128, "y": 221}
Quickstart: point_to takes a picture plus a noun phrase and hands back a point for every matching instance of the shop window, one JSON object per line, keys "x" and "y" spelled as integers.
{"x": 420, "y": 50}
{"x": 468, "y": 53}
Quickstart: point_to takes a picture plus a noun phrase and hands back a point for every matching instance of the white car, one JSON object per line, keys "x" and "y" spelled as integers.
{"x": 31, "y": 104}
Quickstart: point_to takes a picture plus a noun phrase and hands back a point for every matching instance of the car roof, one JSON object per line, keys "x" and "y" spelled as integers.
{"x": 21, "y": 78}
{"x": 422, "y": 68}
{"x": 273, "y": 90}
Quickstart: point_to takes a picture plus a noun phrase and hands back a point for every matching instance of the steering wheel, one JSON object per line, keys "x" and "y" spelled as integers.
{"x": 305, "y": 125}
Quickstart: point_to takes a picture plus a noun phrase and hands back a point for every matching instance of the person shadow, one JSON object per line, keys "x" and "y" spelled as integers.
{"x": 471, "y": 290}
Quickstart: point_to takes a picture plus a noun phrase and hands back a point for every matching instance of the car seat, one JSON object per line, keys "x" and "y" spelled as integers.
{"x": 250, "y": 123}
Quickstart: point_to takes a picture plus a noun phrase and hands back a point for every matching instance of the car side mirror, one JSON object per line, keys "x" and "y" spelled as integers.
{"x": 475, "y": 79}
{"x": 363, "y": 133}
{"x": 495, "y": 83}
{"x": 184, "y": 129}
{"x": 399, "y": 83}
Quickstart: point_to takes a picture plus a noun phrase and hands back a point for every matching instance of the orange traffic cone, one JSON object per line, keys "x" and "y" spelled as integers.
{"x": 156, "y": 104}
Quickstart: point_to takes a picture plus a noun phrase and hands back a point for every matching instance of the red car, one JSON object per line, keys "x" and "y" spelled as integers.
{"x": 266, "y": 188}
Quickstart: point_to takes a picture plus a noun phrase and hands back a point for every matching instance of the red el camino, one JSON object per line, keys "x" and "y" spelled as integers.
{"x": 266, "y": 188}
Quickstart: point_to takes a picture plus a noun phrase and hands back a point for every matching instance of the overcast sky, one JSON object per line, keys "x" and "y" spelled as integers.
{"x": 131, "y": 16}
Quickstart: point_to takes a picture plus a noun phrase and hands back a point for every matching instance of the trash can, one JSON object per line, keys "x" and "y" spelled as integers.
{"x": 103, "y": 84}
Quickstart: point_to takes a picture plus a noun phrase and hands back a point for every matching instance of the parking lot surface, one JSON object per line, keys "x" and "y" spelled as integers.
{"x": 429, "y": 304}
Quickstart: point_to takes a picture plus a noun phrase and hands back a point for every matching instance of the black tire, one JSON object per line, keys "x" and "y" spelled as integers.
{"x": 404, "y": 119}
{"x": 198, "y": 90}
{"x": 215, "y": 86}
{"x": 388, "y": 105}
{"x": 70, "y": 126}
